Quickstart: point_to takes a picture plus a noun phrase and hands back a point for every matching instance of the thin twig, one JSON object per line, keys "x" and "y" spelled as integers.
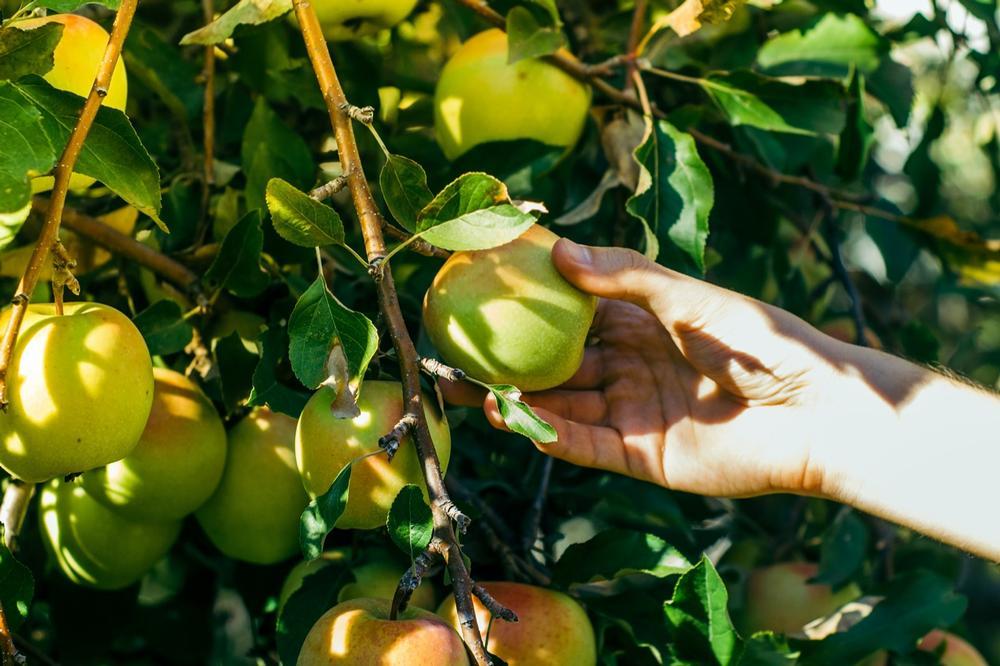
{"x": 371, "y": 223}
{"x": 14, "y": 507}
{"x": 11, "y": 657}
{"x": 533, "y": 520}
{"x": 634, "y": 35}
{"x": 436, "y": 368}
{"x": 412, "y": 577}
{"x": 495, "y": 608}
{"x": 832, "y": 236}
{"x": 208, "y": 111}
{"x": 390, "y": 442}
{"x": 63, "y": 171}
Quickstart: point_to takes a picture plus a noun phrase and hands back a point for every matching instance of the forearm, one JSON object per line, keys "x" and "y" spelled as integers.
{"x": 923, "y": 451}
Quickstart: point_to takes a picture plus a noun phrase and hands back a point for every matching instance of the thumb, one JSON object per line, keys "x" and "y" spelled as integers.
{"x": 612, "y": 272}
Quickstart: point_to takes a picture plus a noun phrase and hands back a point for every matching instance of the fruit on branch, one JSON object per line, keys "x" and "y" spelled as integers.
{"x": 178, "y": 461}
{"x": 780, "y": 598}
{"x": 76, "y": 60}
{"x": 481, "y": 98}
{"x": 324, "y": 444}
{"x": 957, "y": 651}
{"x": 350, "y": 19}
{"x": 360, "y": 632}
{"x": 376, "y": 576}
{"x": 506, "y": 316}
{"x": 254, "y": 513}
{"x": 552, "y": 629}
{"x": 94, "y": 545}
{"x": 80, "y": 388}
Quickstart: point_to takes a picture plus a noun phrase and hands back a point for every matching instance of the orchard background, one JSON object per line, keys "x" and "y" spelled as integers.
{"x": 838, "y": 159}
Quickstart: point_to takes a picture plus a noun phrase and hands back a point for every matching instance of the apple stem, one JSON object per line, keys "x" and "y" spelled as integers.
{"x": 63, "y": 171}
{"x": 62, "y": 275}
{"x": 533, "y": 521}
{"x": 372, "y": 223}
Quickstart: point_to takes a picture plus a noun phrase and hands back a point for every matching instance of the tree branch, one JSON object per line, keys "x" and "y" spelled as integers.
{"x": 11, "y": 657}
{"x": 208, "y": 111}
{"x": 371, "y": 228}
{"x": 63, "y": 171}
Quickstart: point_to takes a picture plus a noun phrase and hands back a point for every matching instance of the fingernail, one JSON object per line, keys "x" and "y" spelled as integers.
{"x": 580, "y": 254}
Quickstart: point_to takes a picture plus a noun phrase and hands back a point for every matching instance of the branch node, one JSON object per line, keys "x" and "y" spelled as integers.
{"x": 20, "y": 299}
{"x": 327, "y": 190}
{"x": 362, "y": 114}
{"x": 411, "y": 579}
{"x": 102, "y": 91}
{"x": 436, "y": 368}
{"x": 495, "y": 608}
{"x": 453, "y": 512}
{"x": 390, "y": 443}
{"x": 376, "y": 264}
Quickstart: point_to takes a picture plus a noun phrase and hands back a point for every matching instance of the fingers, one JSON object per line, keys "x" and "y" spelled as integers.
{"x": 587, "y": 407}
{"x": 610, "y": 272}
{"x": 462, "y": 394}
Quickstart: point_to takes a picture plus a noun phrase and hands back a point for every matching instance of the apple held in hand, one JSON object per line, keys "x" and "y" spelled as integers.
{"x": 80, "y": 389}
{"x": 350, "y": 19}
{"x": 780, "y": 598}
{"x": 481, "y": 98}
{"x": 95, "y": 546}
{"x": 552, "y": 629}
{"x": 506, "y": 316}
{"x": 76, "y": 60}
{"x": 254, "y": 513}
{"x": 325, "y": 443}
{"x": 178, "y": 461}
{"x": 360, "y": 632}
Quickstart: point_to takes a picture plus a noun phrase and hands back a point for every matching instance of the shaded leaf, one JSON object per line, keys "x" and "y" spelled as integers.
{"x": 267, "y": 389}
{"x": 237, "y": 265}
{"x": 844, "y": 545}
{"x": 410, "y": 521}
{"x": 404, "y": 187}
{"x": 699, "y": 615}
{"x": 24, "y": 52}
{"x": 527, "y": 38}
{"x": 164, "y": 328}
{"x": 615, "y": 553}
{"x": 322, "y": 514}
{"x": 316, "y": 595}
{"x": 17, "y": 587}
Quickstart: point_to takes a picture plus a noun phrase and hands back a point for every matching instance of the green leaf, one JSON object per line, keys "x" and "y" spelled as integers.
{"x": 844, "y": 545}
{"x": 675, "y": 193}
{"x": 329, "y": 344}
{"x": 24, "y": 150}
{"x": 63, "y": 6}
{"x": 236, "y": 367}
{"x": 616, "y": 553}
{"x": 322, "y": 514}
{"x": 267, "y": 389}
{"x": 24, "y": 52}
{"x": 831, "y": 47}
{"x": 858, "y": 136}
{"x": 410, "y": 521}
{"x": 237, "y": 265}
{"x": 699, "y": 616}
{"x": 300, "y": 219}
{"x": 519, "y": 417}
{"x": 160, "y": 66}
{"x": 244, "y": 12}
{"x": 164, "y": 328}
{"x": 915, "y": 603}
{"x": 316, "y": 595}
{"x": 404, "y": 187}
{"x": 527, "y": 38}
{"x": 17, "y": 587}
{"x": 270, "y": 149}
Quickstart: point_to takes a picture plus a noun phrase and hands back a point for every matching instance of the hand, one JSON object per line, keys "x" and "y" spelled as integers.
{"x": 689, "y": 385}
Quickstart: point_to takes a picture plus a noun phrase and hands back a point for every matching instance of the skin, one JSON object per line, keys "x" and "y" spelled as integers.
{"x": 81, "y": 388}
{"x": 481, "y": 98}
{"x": 254, "y": 513}
{"x": 76, "y": 60}
{"x": 324, "y": 444}
{"x": 375, "y": 577}
{"x": 360, "y": 632}
{"x": 780, "y": 598}
{"x": 351, "y": 19}
{"x": 704, "y": 390}
{"x": 506, "y": 316}
{"x": 179, "y": 459}
{"x": 95, "y": 546}
{"x": 552, "y": 629}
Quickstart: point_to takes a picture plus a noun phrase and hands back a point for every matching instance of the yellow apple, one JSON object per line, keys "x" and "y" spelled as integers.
{"x": 178, "y": 461}
{"x": 325, "y": 443}
{"x": 350, "y": 19}
{"x": 376, "y": 576}
{"x": 360, "y": 632}
{"x": 506, "y": 316}
{"x": 95, "y": 546}
{"x": 780, "y": 598}
{"x": 76, "y": 60}
{"x": 254, "y": 513}
{"x": 80, "y": 389}
{"x": 481, "y": 98}
{"x": 552, "y": 629}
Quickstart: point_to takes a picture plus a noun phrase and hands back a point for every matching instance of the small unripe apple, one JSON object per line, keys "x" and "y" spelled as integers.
{"x": 178, "y": 461}
{"x": 957, "y": 651}
{"x": 780, "y": 598}
{"x": 254, "y": 513}
{"x": 325, "y": 443}
{"x": 506, "y": 316}
{"x": 360, "y": 632}
{"x": 481, "y": 98}
{"x": 80, "y": 387}
{"x": 95, "y": 546}
{"x": 376, "y": 576}
{"x": 350, "y": 19}
{"x": 552, "y": 629}
{"x": 76, "y": 60}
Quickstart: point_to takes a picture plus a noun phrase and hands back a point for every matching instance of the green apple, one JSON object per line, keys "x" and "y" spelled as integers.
{"x": 324, "y": 444}
{"x": 780, "y": 598}
{"x": 506, "y": 316}
{"x": 254, "y": 513}
{"x": 178, "y": 461}
{"x": 75, "y": 63}
{"x": 360, "y": 632}
{"x": 95, "y": 546}
{"x": 552, "y": 629}
{"x": 80, "y": 387}
{"x": 350, "y": 19}
{"x": 481, "y": 98}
